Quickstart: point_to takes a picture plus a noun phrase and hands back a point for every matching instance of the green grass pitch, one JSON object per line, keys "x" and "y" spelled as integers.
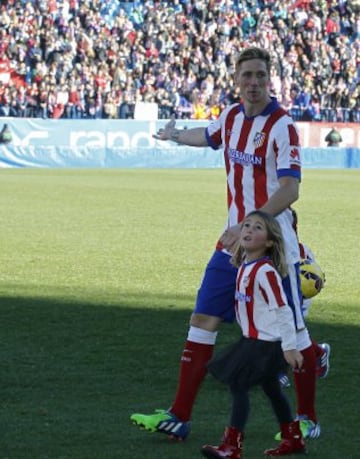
{"x": 99, "y": 271}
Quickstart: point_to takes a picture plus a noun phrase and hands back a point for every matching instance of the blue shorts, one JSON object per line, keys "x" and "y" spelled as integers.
{"x": 216, "y": 295}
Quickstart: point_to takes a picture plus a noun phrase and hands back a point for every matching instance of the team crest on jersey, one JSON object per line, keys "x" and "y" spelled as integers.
{"x": 259, "y": 139}
{"x": 246, "y": 281}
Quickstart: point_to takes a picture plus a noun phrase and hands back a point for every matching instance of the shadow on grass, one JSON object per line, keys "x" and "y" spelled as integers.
{"x": 72, "y": 373}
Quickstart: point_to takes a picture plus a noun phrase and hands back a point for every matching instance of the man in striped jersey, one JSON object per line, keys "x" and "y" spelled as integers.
{"x": 263, "y": 167}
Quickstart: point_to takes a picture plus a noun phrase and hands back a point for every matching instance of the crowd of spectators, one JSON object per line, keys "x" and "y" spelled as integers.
{"x": 97, "y": 58}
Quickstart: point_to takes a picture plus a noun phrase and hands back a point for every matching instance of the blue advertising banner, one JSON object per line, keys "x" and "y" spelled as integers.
{"x": 127, "y": 144}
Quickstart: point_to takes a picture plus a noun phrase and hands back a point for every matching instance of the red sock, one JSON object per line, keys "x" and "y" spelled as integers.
{"x": 318, "y": 350}
{"x": 305, "y": 385}
{"x": 192, "y": 372}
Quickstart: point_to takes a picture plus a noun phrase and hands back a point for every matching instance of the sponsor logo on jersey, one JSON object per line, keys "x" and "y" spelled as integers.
{"x": 295, "y": 155}
{"x": 245, "y": 159}
{"x": 243, "y": 298}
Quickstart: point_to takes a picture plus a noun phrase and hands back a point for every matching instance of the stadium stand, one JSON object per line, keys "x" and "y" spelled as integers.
{"x": 96, "y": 59}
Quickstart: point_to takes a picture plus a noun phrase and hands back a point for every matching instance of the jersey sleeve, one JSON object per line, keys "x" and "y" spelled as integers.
{"x": 271, "y": 288}
{"x": 285, "y": 320}
{"x": 305, "y": 252}
{"x": 287, "y": 147}
{"x": 215, "y": 131}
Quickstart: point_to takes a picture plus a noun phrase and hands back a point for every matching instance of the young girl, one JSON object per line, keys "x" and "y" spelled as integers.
{"x": 268, "y": 338}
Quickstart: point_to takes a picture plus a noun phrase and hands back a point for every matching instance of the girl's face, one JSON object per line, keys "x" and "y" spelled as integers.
{"x": 254, "y": 237}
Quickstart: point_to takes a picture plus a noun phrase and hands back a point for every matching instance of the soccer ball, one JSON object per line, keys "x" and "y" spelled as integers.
{"x": 312, "y": 278}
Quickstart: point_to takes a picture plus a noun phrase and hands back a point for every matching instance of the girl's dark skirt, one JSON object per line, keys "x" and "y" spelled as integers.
{"x": 248, "y": 362}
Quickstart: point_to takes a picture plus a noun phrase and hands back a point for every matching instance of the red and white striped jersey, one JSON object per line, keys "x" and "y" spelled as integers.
{"x": 257, "y": 152}
{"x": 305, "y": 252}
{"x": 259, "y": 292}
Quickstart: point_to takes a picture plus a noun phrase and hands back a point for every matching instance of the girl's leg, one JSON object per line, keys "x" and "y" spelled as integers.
{"x": 240, "y": 407}
{"x": 278, "y": 400}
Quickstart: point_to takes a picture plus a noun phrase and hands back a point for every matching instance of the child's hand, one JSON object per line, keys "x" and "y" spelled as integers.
{"x": 294, "y": 358}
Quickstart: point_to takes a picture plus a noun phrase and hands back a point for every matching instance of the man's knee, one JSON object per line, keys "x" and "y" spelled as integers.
{"x": 205, "y": 322}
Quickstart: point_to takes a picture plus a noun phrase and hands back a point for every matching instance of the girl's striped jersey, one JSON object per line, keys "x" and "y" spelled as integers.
{"x": 257, "y": 152}
{"x": 259, "y": 293}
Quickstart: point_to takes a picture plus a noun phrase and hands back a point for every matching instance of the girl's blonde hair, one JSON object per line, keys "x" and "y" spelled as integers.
{"x": 276, "y": 252}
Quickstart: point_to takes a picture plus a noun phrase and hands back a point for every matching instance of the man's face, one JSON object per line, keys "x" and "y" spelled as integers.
{"x": 253, "y": 79}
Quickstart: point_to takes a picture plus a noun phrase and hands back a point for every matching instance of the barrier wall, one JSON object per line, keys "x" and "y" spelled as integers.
{"x": 129, "y": 143}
